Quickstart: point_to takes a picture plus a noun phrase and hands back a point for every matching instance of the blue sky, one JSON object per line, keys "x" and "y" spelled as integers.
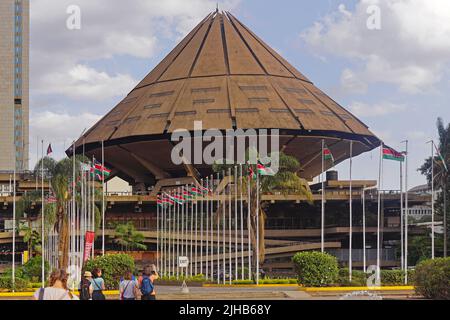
{"x": 395, "y": 79}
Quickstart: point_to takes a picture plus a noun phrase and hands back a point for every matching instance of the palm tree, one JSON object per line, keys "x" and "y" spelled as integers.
{"x": 24, "y": 207}
{"x": 285, "y": 181}
{"x": 441, "y": 175}
{"x": 59, "y": 173}
{"x": 127, "y": 237}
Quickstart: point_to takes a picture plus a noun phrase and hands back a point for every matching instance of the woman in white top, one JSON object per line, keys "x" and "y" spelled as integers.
{"x": 129, "y": 288}
{"x": 57, "y": 289}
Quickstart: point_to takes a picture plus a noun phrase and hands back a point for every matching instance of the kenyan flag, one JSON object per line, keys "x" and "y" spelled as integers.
{"x": 168, "y": 199}
{"x": 327, "y": 155}
{"x": 265, "y": 171}
{"x": 391, "y": 154}
{"x": 178, "y": 199}
{"x": 186, "y": 195}
{"x": 194, "y": 191}
{"x": 160, "y": 202}
{"x": 99, "y": 169}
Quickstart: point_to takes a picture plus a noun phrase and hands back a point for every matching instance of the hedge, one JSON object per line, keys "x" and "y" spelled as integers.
{"x": 315, "y": 269}
{"x": 20, "y": 284}
{"x": 113, "y": 266}
{"x": 432, "y": 279}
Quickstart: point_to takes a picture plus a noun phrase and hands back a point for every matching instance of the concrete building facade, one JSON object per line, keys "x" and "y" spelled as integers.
{"x": 14, "y": 84}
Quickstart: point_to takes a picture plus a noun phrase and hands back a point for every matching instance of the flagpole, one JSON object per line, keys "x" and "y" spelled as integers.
{"x": 177, "y": 222}
{"x": 103, "y": 200}
{"x": 406, "y": 212}
{"x": 192, "y": 234}
{"x": 242, "y": 226}
{"x": 235, "y": 226}
{"x": 364, "y": 227}
{"x": 401, "y": 217}
{"x": 14, "y": 232}
{"x": 218, "y": 230}
{"x": 211, "y": 270}
{"x": 257, "y": 227}
{"x": 249, "y": 228}
{"x": 169, "y": 247}
{"x": 42, "y": 217}
{"x": 380, "y": 169}
{"x": 223, "y": 229}
{"x": 322, "y": 220}
{"x": 230, "y": 273}
{"x": 207, "y": 228}
{"x": 350, "y": 262}
{"x": 432, "y": 199}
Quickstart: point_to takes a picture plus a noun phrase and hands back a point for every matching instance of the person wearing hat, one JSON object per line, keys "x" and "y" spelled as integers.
{"x": 86, "y": 287}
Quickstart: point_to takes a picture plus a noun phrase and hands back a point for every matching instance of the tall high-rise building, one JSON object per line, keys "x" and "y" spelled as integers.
{"x": 14, "y": 83}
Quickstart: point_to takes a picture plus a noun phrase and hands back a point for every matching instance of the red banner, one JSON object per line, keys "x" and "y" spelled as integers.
{"x": 88, "y": 241}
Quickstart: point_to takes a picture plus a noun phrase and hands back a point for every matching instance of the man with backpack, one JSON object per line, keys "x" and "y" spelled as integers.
{"x": 147, "y": 283}
{"x": 86, "y": 288}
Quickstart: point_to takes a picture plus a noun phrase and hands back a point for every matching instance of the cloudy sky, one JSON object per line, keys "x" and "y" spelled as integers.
{"x": 396, "y": 78}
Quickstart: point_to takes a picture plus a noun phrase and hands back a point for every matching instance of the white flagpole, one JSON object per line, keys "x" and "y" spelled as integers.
{"x": 218, "y": 230}
{"x": 103, "y": 200}
{"x": 432, "y": 199}
{"x": 380, "y": 170}
{"x": 14, "y": 232}
{"x": 169, "y": 234}
{"x": 364, "y": 227}
{"x": 181, "y": 235}
{"x": 406, "y": 213}
{"x": 177, "y": 222}
{"x": 201, "y": 229}
{"x": 211, "y": 270}
{"x": 196, "y": 233}
{"x": 74, "y": 184}
{"x": 192, "y": 235}
{"x": 235, "y": 226}
{"x": 350, "y": 249}
{"x": 207, "y": 228}
{"x": 249, "y": 228}
{"x": 257, "y": 227}
{"x": 402, "y": 254}
{"x": 158, "y": 259}
{"x": 230, "y": 273}
{"x": 322, "y": 220}
{"x": 42, "y": 216}
{"x": 242, "y": 225}
{"x": 93, "y": 207}
{"x": 223, "y": 230}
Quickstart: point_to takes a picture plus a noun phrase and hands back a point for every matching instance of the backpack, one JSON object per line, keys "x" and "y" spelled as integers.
{"x": 146, "y": 286}
{"x": 84, "y": 289}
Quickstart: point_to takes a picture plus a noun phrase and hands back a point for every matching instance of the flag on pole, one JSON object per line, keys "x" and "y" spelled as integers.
{"x": 251, "y": 173}
{"x": 100, "y": 169}
{"x": 194, "y": 191}
{"x": 186, "y": 195}
{"x": 441, "y": 158}
{"x": 49, "y": 149}
{"x": 160, "y": 202}
{"x": 391, "y": 154}
{"x": 264, "y": 171}
{"x": 327, "y": 155}
{"x": 166, "y": 200}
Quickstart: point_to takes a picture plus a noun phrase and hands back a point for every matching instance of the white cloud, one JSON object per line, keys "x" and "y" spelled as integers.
{"x": 411, "y": 51}
{"x": 59, "y": 129}
{"x": 109, "y": 29}
{"x": 81, "y": 82}
{"x": 361, "y": 109}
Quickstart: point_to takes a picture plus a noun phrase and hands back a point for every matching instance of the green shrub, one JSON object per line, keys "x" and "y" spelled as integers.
{"x": 359, "y": 278}
{"x": 243, "y": 282}
{"x": 392, "y": 277}
{"x": 113, "y": 266}
{"x": 20, "y": 284}
{"x": 315, "y": 269}
{"x": 32, "y": 270}
{"x": 432, "y": 278}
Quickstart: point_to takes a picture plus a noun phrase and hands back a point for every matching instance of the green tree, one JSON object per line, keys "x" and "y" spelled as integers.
{"x": 441, "y": 177}
{"x": 285, "y": 181}
{"x": 60, "y": 174}
{"x": 128, "y": 238}
{"x": 32, "y": 238}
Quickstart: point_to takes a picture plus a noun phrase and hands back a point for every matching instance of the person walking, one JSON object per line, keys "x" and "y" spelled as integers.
{"x": 128, "y": 287}
{"x": 98, "y": 285}
{"x": 86, "y": 288}
{"x": 147, "y": 283}
{"x": 57, "y": 289}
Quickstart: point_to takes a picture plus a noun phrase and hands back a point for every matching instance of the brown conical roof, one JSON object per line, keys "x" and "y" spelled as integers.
{"x": 223, "y": 74}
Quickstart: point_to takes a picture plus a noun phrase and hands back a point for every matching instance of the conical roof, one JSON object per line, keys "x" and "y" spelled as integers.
{"x": 224, "y": 75}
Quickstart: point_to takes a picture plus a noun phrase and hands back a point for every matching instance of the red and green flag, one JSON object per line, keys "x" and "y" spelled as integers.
{"x": 327, "y": 155}
{"x": 100, "y": 169}
{"x": 264, "y": 171}
{"x": 178, "y": 199}
{"x": 195, "y": 191}
{"x": 391, "y": 154}
{"x": 186, "y": 195}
